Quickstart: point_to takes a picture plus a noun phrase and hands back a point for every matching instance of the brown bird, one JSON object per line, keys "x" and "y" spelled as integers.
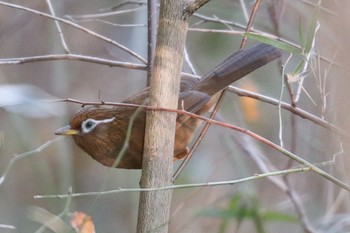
{"x": 101, "y": 131}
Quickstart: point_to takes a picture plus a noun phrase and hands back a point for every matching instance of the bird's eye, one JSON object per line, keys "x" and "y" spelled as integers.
{"x": 88, "y": 125}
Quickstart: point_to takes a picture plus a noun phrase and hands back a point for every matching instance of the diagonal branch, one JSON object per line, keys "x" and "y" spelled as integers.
{"x": 297, "y": 111}
{"x": 58, "y": 26}
{"x": 236, "y": 128}
{"x": 193, "y": 6}
{"x": 88, "y": 31}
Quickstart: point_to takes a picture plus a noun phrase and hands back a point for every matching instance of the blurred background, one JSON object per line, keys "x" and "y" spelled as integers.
{"x": 28, "y": 120}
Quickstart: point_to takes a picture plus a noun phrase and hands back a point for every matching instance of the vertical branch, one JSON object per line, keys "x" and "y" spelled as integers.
{"x": 157, "y": 167}
{"x": 293, "y": 195}
{"x": 152, "y": 35}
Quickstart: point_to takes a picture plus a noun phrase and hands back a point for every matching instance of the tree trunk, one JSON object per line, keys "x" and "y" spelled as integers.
{"x": 154, "y": 207}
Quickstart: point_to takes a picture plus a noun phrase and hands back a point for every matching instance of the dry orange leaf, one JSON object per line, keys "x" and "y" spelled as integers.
{"x": 249, "y": 105}
{"x": 82, "y": 223}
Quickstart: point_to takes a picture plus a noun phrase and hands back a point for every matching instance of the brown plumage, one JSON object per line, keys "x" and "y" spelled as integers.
{"x": 101, "y": 131}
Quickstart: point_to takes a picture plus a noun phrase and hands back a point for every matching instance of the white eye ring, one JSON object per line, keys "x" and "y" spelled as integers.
{"x": 90, "y": 124}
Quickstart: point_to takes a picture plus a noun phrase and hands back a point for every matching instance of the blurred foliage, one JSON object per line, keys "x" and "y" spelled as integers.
{"x": 244, "y": 208}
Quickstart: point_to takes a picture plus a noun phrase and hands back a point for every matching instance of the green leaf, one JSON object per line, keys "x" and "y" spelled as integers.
{"x": 274, "y": 42}
{"x": 312, "y": 31}
{"x": 241, "y": 209}
{"x": 299, "y": 67}
{"x": 278, "y": 217}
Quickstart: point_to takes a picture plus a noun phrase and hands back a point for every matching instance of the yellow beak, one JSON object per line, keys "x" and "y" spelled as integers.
{"x": 67, "y": 130}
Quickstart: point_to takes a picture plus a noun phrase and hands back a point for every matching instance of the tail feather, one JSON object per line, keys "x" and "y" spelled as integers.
{"x": 235, "y": 67}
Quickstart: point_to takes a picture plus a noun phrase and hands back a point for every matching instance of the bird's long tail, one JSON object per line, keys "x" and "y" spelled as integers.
{"x": 235, "y": 67}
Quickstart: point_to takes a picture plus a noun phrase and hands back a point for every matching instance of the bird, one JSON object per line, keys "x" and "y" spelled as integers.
{"x": 101, "y": 131}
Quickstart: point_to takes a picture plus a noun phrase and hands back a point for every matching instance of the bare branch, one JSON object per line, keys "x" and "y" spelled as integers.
{"x": 5, "y": 226}
{"x": 250, "y": 22}
{"x": 119, "y": 5}
{"x": 231, "y": 32}
{"x": 298, "y": 111}
{"x": 102, "y": 15}
{"x": 181, "y": 186}
{"x": 189, "y": 63}
{"x": 29, "y": 153}
{"x": 121, "y": 25}
{"x": 63, "y": 41}
{"x": 241, "y": 26}
{"x": 88, "y": 31}
{"x": 53, "y": 57}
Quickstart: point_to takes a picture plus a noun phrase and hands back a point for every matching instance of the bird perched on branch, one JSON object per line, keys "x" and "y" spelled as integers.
{"x": 101, "y": 131}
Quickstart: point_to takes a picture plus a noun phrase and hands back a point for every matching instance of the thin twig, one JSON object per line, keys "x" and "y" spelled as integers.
{"x": 104, "y": 14}
{"x": 244, "y": 10}
{"x": 321, "y": 7}
{"x": 250, "y": 22}
{"x": 263, "y": 162}
{"x": 294, "y": 197}
{"x": 121, "y": 25}
{"x": 308, "y": 56}
{"x": 29, "y": 153}
{"x": 195, "y": 185}
{"x": 77, "y": 57}
{"x": 295, "y": 110}
{"x": 5, "y": 226}
{"x": 119, "y": 5}
{"x": 206, "y": 30}
{"x": 283, "y": 84}
{"x": 243, "y": 27}
{"x": 49, "y": 220}
{"x": 88, "y": 31}
{"x": 58, "y": 26}
{"x": 189, "y": 63}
